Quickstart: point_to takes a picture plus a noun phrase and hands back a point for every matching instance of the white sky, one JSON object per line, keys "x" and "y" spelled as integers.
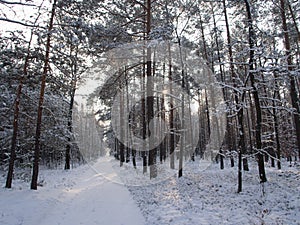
{"x": 24, "y": 14}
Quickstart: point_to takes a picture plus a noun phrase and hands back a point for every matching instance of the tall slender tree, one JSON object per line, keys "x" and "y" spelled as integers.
{"x": 35, "y": 169}
{"x": 240, "y": 110}
{"x": 289, "y": 61}
{"x": 16, "y": 118}
{"x": 17, "y": 108}
{"x": 251, "y": 72}
{"x": 150, "y": 99}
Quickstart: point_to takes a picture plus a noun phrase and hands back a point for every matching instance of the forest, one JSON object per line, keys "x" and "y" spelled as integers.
{"x": 181, "y": 80}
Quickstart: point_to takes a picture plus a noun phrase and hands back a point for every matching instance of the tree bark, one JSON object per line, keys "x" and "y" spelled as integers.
{"x": 35, "y": 169}
{"x": 150, "y": 99}
{"x": 261, "y": 165}
{"x": 223, "y": 81}
{"x": 171, "y": 119}
{"x": 16, "y": 119}
{"x": 276, "y": 124}
{"x": 240, "y": 110}
{"x": 122, "y": 133}
{"x": 293, "y": 89}
{"x": 182, "y": 132}
{"x": 70, "y": 112}
{"x": 144, "y": 128}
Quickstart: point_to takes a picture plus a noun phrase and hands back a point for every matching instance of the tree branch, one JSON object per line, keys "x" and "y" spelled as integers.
{"x": 15, "y": 3}
{"x": 20, "y": 23}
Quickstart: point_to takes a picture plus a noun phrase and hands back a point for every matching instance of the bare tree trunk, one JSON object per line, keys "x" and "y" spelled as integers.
{"x": 278, "y": 148}
{"x": 150, "y": 99}
{"x": 294, "y": 20}
{"x": 293, "y": 89}
{"x": 261, "y": 165}
{"x": 207, "y": 116}
{"x": 68, "y": 147}
{"x": 122, "y": 133}
{"x": 71, "y": 105}
{"x": 16, "y": 118}
{"x": 144, "y": 126}
{"x": 200, "y": 144}
{"x": 241, "y": 145}
{"x": 191, "y": 149}
{"x": 129, "y": 136}
{"x": 182, "y": 132}
{"x": 162, "y": 125}
{"x": 276, "y": 95}
{"x": 206, "y": 137}
{"x": 171, "y": 119}
{"x": 203, "y": 38}
{"x": 144, "y": 131}
{"x": 127, "y": 132}
{"x": 240, "y": 110}
{"x": 222, "y": 79}
{"x": 35, "y": 169}
{"x": 249, "y": 125}
{"x": 17, "y": 110}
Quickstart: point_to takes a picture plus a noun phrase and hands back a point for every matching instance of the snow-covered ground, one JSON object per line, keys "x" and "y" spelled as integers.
{"x": 98, "y": 194}
{"x": 210, "y": 197}
{"x": 79, "y": 196}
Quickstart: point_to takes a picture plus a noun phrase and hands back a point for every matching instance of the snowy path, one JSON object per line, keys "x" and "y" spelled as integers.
{"x": 79, "y": 196}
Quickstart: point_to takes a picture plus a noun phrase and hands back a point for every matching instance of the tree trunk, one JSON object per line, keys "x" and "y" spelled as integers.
{"x": 162, "y": 129}
{"x": 249, "y": 125}
{"x": 240, "y": 110}
{"x": 206, "y": 137}
{"x": 16, "y": 119}
{"x": 293, "y": 89}
{"x": 35, "y": 169}
{"x": 182, "y": 132}
{"x": 276, "y": 125}
{"x": 294, "y": 20}
{"x": 144, "y": 128}
{"x": 261, "y": 165}
{"x": 150, "y": 99}
{"x": 171, "y": 119}
{"x": 122, "y": 131}
{"x": 70, "y": 112}
{"x": 222, "y": 79}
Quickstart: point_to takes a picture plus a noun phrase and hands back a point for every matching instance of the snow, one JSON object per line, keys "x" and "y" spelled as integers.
{"x": 79, "y": 196}
{"x": 210, "y": 197}
{"x": 103, "y": 193}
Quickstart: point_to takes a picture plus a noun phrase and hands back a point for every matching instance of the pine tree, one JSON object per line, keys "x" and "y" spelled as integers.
{"x": 35, "y": 169}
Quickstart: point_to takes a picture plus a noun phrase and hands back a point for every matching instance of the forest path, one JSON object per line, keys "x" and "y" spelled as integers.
{"x": 79, "y": 196}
